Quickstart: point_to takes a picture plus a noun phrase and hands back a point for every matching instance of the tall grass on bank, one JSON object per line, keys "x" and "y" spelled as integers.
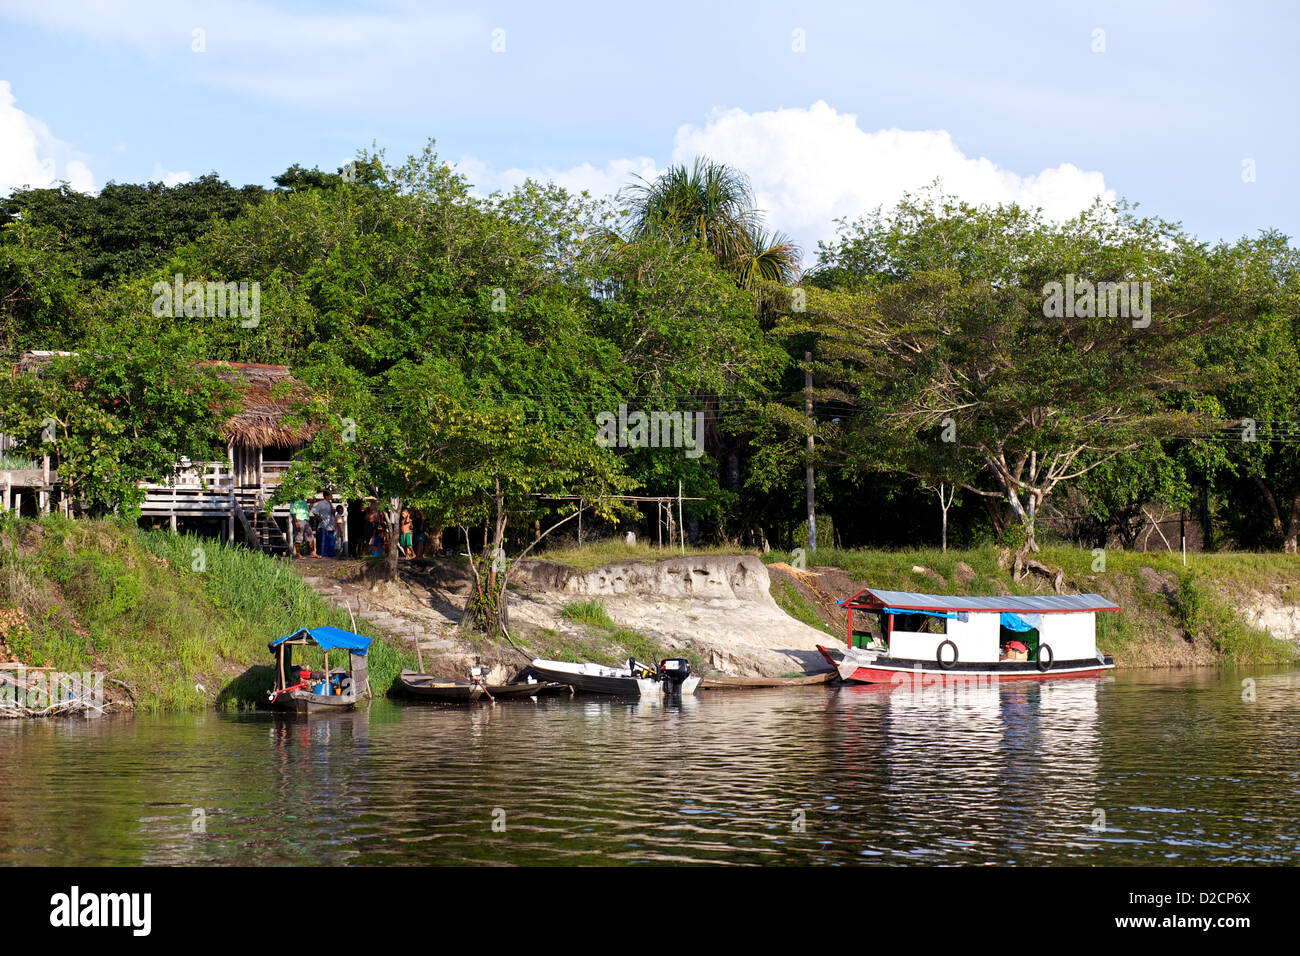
{"x": 181, "y": 621}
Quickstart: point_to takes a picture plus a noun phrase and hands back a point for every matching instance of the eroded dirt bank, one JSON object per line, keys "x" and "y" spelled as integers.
{"x": 734, "y": 615}
{"x": 716, "y": 609}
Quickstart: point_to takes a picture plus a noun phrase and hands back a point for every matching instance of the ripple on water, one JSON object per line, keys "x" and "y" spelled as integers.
{"x": 1133, "y": 769}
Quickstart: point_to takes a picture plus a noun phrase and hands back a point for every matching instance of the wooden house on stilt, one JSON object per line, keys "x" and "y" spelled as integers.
{"x": 227, "y": 496}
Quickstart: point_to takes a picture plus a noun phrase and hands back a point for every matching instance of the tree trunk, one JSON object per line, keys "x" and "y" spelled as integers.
{"x": 1291, "y": 541}
{"x": 394, "y": 537}
{"x": 1274, "y": 514}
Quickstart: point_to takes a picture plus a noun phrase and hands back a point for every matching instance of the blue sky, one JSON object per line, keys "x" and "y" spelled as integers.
{"x": 832, "y": 108}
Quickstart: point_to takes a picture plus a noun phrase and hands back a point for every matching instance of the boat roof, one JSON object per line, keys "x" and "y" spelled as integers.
{"x": 916, "y": 601}
{"x": 328, "y": 638}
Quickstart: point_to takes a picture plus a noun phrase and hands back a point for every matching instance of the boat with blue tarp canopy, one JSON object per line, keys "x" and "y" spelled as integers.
{"x": 330, "y": 638}
{"x": 303, "y": 690}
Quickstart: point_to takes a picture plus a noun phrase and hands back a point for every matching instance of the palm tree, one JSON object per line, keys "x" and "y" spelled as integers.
{"x": 713, "y": 204}
{"x": 771, "y": 257}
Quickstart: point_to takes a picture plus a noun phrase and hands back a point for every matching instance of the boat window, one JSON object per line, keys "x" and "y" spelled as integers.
{"x": 921, "y": 623}
{"x": 1028, "y": 639}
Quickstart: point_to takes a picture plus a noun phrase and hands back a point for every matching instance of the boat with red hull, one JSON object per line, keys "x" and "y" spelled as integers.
{"x": 896, "y": 636}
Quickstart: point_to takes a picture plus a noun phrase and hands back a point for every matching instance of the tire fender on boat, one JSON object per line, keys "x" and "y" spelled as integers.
{"x": 1043, "y": 665}
{"x": 938, "y": 655}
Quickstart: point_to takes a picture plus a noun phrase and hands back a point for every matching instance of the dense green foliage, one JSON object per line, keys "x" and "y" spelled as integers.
{"x": 460, "y": 350}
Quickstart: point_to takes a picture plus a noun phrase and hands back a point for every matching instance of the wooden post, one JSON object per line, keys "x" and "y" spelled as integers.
{"x": 344, "y": 550}
{"x": 580, "y": 522}
{"x": 681, "y": 526}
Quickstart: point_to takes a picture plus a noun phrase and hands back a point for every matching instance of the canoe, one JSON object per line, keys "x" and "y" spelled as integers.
{"x": 428, "y": 687}
{"x": 602, "y": 679}
{"x": 752, "y": 683}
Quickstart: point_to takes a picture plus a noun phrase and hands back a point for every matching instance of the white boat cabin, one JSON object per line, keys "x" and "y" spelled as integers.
{"x": 911, "y": 626}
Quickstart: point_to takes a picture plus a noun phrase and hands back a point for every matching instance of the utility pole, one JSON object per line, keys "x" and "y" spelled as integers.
{"x": 808, "y": 468}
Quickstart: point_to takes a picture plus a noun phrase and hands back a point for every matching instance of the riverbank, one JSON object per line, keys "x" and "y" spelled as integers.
{"x": 174, "y": 622}
{"x": 182, "y": 623}
{"x": 1220, "y": 609}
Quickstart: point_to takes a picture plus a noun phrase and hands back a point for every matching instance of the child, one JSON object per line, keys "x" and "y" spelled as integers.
{"x": 404, "y": 543}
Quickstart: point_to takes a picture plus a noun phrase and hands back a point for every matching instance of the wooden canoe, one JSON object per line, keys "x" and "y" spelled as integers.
{"x": 305, "y": 702}
{"x": 428, "y": 687}
{"x": 754, "y": 683}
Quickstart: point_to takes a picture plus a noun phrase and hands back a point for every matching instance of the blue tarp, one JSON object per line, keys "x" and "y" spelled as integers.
{"x": 329, "y": 638}
{"x": 1014, "y": 622}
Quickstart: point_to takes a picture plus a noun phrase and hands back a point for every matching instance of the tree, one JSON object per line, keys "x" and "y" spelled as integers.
{"x": 712, "y": 204}
{"x": 127, "y": 228}
{"x": 1260, "y": 394}
{"x": 114, "y": 419}
{"x": 426, "y": 439}
{"x": 950, "y": 346}
{"x": 40, "y": 304}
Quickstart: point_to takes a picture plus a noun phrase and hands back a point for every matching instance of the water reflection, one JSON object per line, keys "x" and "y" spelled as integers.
{"x": 1148, "y": 767}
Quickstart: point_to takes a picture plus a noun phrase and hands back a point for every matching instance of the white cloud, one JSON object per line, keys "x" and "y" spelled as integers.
{"x": 603, "y": 181}
{"x": 167, "y": 178}
{"x": 812, "y": 166}
{"x": 29, "y": 153}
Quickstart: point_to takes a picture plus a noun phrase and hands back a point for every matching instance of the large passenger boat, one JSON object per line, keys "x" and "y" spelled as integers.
{"x": 893, "y": 634}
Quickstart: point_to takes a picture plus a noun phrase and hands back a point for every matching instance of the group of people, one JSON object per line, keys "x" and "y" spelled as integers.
{"x": 413, "y": 538}
{"x": 316, "y": 527}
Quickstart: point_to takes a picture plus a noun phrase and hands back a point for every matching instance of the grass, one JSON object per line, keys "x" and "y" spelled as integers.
{"x": 603, "y": 637}
{"x": 182, "y": 621}
{"x": 590, "y": 612}
{"x": 608, "y": 550}
{"x": 796, "y": 605}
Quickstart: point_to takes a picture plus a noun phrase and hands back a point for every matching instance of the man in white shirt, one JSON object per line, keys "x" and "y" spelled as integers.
{"x": 324, "y": 511}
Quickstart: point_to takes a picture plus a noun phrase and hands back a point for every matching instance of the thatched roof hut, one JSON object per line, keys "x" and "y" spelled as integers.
{"x": 266, "y": 395}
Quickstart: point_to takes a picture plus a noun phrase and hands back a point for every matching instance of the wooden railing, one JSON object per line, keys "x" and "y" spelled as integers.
{"x": 212, "y": 487}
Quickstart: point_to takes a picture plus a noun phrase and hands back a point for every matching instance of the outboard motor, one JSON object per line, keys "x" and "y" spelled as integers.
{"x": 673, "y": 673}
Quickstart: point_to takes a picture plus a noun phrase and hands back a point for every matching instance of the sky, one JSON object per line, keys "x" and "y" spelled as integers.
{"x": 832, "y": 109}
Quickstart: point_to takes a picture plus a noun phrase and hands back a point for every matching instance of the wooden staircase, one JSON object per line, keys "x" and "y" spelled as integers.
{"x": 261, "y": 531}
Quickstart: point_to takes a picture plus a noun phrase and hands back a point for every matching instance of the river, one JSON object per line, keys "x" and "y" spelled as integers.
{"x": 1143, "y": 767}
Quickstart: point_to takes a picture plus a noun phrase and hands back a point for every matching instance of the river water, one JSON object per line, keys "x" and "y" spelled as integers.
{"x": 1177, "y": 767}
